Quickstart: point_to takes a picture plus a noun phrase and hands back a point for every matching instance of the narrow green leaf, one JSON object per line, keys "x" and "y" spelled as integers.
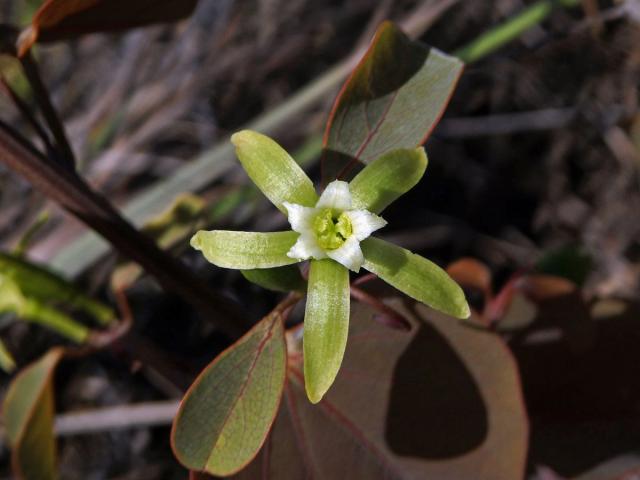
{"x": 326, "y": 325}
{"x": 28, "y": 413}
{"x": 511, "y": 29}
{"x": 31, "y": 309}
{"x": 392, "y": 100}
{"x": 273, "y": 170}
{"x": 281, "y": 279}
{"x": 43, "y": 285}
{"x": 227, "y": 413}
{"x": 25, "y": 240}
{"x": 388, "y": 177}
{"x": 245, "y": 250}
{"x": 415, "y": 276}
{"x": 37, "y": 312}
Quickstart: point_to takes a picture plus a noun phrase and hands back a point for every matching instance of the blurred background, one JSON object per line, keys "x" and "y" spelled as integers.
{"x": 535, "y": 165}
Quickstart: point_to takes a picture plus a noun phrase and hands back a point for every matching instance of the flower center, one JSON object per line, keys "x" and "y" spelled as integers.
{"x": 331, "y": 230}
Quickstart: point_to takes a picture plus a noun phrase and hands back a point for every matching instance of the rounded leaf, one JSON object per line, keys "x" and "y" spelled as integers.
{"x": 227, "y": 413}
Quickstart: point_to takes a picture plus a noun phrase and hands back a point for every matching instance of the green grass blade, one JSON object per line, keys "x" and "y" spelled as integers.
{"x": 515, "y": 26}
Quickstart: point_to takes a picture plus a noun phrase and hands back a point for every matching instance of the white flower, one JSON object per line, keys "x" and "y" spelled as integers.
{"x": 332, "y": 228}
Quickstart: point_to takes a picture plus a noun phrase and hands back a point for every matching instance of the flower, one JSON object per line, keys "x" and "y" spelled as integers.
{"x": 333, "y": 231}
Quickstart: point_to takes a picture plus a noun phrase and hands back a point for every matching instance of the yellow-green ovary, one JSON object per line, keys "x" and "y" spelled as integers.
{"x": 330, "y": 230}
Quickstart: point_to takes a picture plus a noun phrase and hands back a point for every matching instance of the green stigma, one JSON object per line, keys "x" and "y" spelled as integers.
{"x": 331, "y": 232}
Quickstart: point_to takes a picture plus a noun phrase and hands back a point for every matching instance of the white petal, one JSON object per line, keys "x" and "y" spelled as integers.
{"x": 336, "y": 196}
{"x": 364, "y": 223}
{"x": 306, "y": 247}
{"x": 300, "y": 217}
{"x": 349, "y": 254}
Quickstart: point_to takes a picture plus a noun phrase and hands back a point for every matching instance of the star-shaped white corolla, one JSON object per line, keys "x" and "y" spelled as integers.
{"x": 332, "y": 229}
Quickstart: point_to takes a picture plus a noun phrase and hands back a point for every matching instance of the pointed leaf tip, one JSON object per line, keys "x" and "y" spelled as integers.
{"x": 415, "y": 276}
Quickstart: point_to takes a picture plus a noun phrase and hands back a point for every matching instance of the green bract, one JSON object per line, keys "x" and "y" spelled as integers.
{"x": 333, "y": 232}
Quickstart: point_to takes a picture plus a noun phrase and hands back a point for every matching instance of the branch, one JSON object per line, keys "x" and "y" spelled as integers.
{"x": 74, "y": 195}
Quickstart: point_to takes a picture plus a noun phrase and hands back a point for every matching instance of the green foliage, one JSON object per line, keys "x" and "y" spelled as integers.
{"x": 416, "y": 276}
{"x": 12, "y": 300}
{"x": 511, "y": 29}
{"x": 440, "y": 401}
{"x": 387, "y": 178}
{"x": 273, "y": 170}
{"x": 28, "y": 413}
{"x": 386, "y": 109}
{"x": 34, "y": 294}
{"x": 372, "y": 123}
{"x": 326, "y": 325}
{"x": 245, "y": 250}
{"x": 240, "y": 392}
{"x": 392, "y": 100}
{"x": 45, "y": 287}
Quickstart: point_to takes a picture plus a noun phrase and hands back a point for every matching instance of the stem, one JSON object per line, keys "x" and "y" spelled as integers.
{"x": 73, "y": 194}
{"x": 511, "y": 29}
{"x": 24, "y": 110}
{"x": 65, "y": 155}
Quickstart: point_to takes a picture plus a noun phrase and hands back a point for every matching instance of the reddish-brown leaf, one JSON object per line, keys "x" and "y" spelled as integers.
{"x": 440, "y": 402}
{"x": 65, "y": 19}
{"x": 392, "y": 100}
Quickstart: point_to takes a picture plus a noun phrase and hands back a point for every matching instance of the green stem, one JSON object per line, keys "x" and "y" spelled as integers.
{"x": 497, "y": 37}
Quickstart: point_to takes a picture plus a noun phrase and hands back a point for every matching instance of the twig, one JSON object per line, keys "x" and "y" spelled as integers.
{"x": 123, "y": 417}
{"x": 23, "y": 108}
{"x": 65, "y": 154}
{"x": 70, "y": 191}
